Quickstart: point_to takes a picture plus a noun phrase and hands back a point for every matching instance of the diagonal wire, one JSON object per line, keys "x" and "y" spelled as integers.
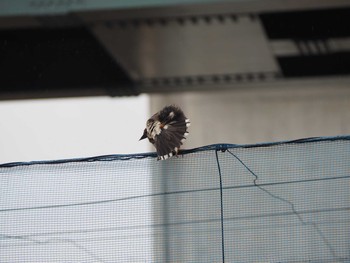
{"x": 82, "y": 248}
{"x": 292, "y": 206}
{"x": 74, "y": 243}
{"x": 222, "y": 209}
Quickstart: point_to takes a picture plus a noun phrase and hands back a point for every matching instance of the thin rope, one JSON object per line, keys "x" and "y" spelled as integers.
{"x": 320, "y": 233}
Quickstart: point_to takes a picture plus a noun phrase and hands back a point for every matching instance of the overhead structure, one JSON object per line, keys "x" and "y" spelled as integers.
{"x": 90, "y": 48}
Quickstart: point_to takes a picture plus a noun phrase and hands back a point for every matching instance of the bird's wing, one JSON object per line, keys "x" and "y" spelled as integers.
{"x": 171, "y": 137}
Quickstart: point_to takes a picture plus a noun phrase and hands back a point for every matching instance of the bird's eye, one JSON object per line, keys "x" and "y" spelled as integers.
{"x": 149, "y": 122}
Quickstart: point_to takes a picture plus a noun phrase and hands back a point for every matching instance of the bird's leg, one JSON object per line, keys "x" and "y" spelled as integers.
{"x": 176, "y": 151}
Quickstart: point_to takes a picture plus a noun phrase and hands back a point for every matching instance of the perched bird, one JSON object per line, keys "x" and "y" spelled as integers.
{"x": 167, "y": 130}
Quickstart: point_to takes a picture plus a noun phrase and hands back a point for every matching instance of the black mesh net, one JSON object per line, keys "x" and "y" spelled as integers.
{"x": 278, "y": 202}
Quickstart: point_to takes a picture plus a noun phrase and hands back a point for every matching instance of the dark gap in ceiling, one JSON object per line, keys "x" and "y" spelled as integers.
{"x": 56, "y": 60}
{"x": 315, "y": 65}
{"x": 307, "y": 24}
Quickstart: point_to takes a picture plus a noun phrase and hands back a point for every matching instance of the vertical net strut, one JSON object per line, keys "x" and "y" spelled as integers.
{"x": 222, "y": 209}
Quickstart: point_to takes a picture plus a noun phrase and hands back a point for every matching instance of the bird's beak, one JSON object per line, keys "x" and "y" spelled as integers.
{"x": 144, "y": 136}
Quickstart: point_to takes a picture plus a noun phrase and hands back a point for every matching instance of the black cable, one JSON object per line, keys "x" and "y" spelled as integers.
{"x": 222, "y": 210}
{"x": 140, "y": 227}
{"x": 171, "y": 193}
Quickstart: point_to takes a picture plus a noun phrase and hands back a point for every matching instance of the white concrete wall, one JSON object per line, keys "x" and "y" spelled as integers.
{"x": 263, "y": 114}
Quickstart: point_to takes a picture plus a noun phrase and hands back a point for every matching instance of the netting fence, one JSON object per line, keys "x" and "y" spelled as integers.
{"x": 273, "y": 202}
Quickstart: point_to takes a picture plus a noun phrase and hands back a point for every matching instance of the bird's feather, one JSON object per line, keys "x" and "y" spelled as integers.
{"x": 171, "y": 137}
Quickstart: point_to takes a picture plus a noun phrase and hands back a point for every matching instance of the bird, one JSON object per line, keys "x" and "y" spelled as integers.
{"x": 167, "y": 130}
